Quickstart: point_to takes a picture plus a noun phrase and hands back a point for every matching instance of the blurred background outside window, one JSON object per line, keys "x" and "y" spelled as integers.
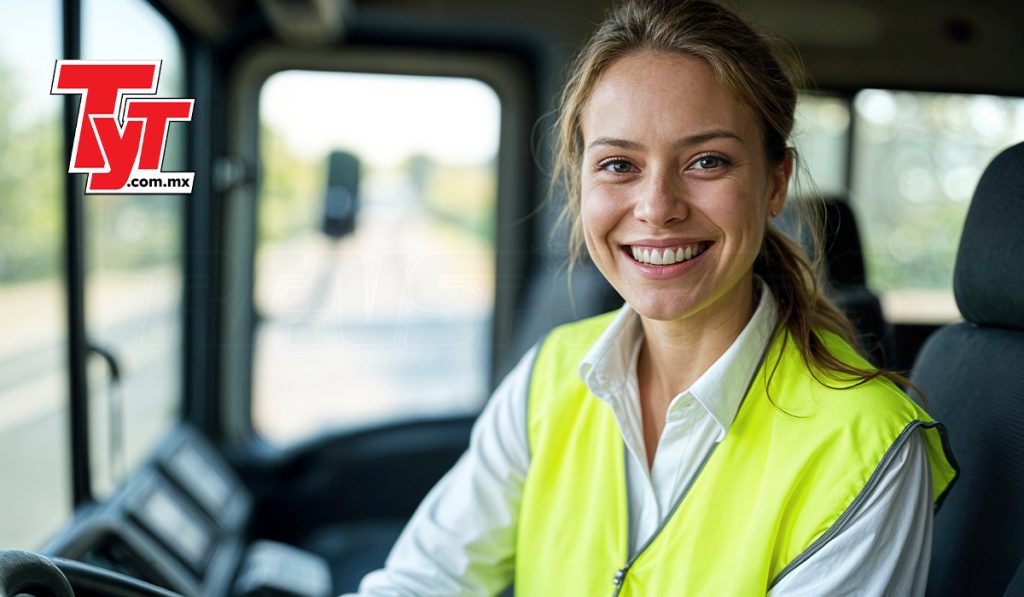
{"x": 375, "y": 268}
{"x": 917, "y": 158}
{"x": 134, "y": 265}
{"x": 34, "y": 460}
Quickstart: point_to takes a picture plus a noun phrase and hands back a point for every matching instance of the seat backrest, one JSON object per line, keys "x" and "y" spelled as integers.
{"x": 1016, "y": 588}
{"x": 844, "y": 275}
{"x": 972, "y": 376}
{"x": 554, "y": 297}
{"x": 844, "y": 262}
{"x": 844, "y": 255}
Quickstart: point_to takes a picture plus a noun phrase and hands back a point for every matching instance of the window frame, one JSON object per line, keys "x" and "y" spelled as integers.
{"x": 503, "y": 71}
{"x": 74, "y": 252}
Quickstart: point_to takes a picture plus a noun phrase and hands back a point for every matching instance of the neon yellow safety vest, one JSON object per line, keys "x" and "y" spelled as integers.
{"x": 779, "y": 486}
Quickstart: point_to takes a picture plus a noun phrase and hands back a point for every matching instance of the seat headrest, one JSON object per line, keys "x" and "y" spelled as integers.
{"x": 843, "y": 254}
{"x": 989, "y": 279}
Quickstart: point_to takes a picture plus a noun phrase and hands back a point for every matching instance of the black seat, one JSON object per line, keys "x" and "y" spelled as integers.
{"x": 844, "y": 262}
{"x": 972, "y": 375}
{"x": 551, "y": 301}
{"x": 845, "y": 282}
{"x": 1016, "y": 588}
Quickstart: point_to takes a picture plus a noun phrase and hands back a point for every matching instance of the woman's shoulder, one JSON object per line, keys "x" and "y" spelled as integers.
{"x": 803, "y": 387}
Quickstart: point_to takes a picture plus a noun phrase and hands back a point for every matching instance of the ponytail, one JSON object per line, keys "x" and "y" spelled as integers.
{"x": 805, "y": 312}
{"x": 763, "y": 74}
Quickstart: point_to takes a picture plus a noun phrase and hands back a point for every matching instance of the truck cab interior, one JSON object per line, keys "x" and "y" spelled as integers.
{"x": 248, "y": 389}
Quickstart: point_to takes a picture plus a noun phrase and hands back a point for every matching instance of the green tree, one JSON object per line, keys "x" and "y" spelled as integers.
{"x": 31, "y": 172}
{"x": 292, "y": 188}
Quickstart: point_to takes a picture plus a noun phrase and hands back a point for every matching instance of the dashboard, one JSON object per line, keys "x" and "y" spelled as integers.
{"x": 180, "y": 522}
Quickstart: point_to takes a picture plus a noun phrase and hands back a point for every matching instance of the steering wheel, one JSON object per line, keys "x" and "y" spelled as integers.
{"x": 24, "y": 574}
{"x": 28, "y": 574}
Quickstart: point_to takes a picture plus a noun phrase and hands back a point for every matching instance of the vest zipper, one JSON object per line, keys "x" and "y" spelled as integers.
{"x": 620, "y": 575}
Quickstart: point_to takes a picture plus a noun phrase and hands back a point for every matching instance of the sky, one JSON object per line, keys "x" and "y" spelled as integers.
{"x": 383, "y": 118}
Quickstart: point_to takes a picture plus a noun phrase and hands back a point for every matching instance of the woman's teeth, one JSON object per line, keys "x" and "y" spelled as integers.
{"x": 667, "y": 255}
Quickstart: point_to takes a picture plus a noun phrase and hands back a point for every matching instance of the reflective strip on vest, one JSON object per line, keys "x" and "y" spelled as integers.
{"x": 778, "y": 487}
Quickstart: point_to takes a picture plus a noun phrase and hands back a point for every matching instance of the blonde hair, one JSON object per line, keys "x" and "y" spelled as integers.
{"x": 744, "y": 62}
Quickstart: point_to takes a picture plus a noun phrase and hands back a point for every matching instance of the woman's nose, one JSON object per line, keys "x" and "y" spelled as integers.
{"x": 660, "y": 200}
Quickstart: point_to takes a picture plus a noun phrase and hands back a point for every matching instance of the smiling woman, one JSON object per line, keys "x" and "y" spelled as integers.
{"x": 763, "y": 454}
{"x": 687, "y": 174}
{"x": 696, "y": 183}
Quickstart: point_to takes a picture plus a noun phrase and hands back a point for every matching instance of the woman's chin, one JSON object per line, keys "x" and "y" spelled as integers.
{"x": 662, "y": 310}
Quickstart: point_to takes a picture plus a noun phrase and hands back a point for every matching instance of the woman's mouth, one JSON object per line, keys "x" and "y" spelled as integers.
{"x": 666, "y": 255}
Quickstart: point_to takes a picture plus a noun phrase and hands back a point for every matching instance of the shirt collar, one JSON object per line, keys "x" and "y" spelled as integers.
{"x": 609, "y": 367}
{"x": 606, "y": 366}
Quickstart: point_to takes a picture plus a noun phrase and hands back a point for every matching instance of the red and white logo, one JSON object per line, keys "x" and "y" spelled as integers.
{"x": 121, "y": 137}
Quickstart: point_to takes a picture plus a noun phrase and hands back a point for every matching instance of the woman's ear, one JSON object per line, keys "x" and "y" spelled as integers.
{"x": 781, "y": 173}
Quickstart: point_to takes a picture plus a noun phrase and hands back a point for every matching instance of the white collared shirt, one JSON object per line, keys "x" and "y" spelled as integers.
{"x": 697, "y": 419}
{"x": 461, "y": 540}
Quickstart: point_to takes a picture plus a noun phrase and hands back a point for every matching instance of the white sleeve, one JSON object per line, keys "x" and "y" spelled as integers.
{"x": 461, "y": 540}
{"x": 886, "y": 547}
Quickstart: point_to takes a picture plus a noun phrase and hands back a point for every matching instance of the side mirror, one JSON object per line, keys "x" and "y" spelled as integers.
{"x": 341, "y": 202}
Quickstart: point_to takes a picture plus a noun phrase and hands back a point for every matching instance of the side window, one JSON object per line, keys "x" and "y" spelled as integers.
{"x": 375, "y": 268}
{"x": 821, "y": 133}
{"x": 917, "y": 159}
{"x": 34, "y": 453}
{"x": 134, "y": 265}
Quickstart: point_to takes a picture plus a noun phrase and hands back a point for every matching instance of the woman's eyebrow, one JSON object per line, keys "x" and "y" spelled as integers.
{"x": 613, "y": 142}
{"x": 695, "y": 139}
{"x": 706, "y": 136}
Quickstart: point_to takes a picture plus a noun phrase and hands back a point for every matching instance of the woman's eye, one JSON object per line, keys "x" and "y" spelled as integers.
{"x": 709, "y": 161}
{"x": 617, "y": 166}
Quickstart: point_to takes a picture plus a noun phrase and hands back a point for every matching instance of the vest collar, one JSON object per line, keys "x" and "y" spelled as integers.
{"x": 609, "y": 367}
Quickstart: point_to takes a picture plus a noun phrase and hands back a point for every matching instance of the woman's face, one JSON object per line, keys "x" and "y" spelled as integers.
{"x": 676, "y": 187}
